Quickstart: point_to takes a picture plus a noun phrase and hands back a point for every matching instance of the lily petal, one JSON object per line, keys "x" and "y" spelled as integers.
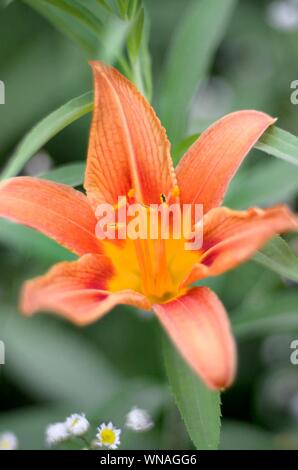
{"x": 128, "y": 147}
{"x": 206, "y": 169}
{"x": 56, "y": 210}
{"x": 199, "y": 327}
{"x": 76, "y": 290}
{"x": 231, "y": 237}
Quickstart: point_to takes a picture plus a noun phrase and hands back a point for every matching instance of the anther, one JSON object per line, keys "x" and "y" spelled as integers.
{"x": 163, "y": 198}
{"x": 131, "y": 193}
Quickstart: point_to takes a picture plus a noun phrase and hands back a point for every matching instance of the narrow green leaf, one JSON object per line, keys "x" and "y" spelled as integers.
{"x": 280, "y": 144}
{"x": 191, "y": 53}
{"x": 199, "y": 407}
{"x": 135, "y": 35}
{"x": 269, "y": 182}
{"x": 113, "y": 39}
{"x": 143, "y": 62}
{"x": 279, "y": 257}
{"x": 133, "y": 8}
{"x": 122, "y": 7}
{"x": 105, "y": 4}
{"x": 274, "y": 141}
{"x": 77, "y": 30}
{"x": 278, "y": 314}
{"x": 79, "y": 12}
{"x": 45, "y": 130}
{"x": 71, "y": 174}
{"x": 183, "y": 146}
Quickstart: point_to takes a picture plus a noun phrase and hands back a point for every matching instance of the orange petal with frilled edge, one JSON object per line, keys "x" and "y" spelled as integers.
{"x": 128, "y": 147}
{"x": 198, "y": 325}
{"x": 77, "y": 290}
{"x": 56, "y": 210}
{"x": 206, "y": 169}
{"x": 231, "y": 237}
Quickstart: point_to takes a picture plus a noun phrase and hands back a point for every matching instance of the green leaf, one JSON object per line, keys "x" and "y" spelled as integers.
{"x": 269, "y": 182}
{"x": 122, "y": 7}
{"x": 134, "y": 7}
{"x": 72, "y": 19}
{"x": 145, "y": 61}
{"x": 199, "y": 406}
{"x": 191, "y": 53}
{"x": 280, "y": 144}
{"x": 280, "y": 313}
{"x": 113, "y": 40}
{"x": 279, "y": 257}
{"x": 105, "y": 5}
{"x": 274, "y": 141}
{"x": 77, "y": 11}
{"x": 71, "y": 174}
{"x": 45, "y": 130}
{"x": 141, "y": 73}
{"x": 183, "y": 146}
{"x": 135, "y": 35}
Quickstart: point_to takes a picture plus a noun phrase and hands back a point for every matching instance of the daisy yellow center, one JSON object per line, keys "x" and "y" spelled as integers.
{"x": 107, "y": 436}
{"x": 74, "y": 422}
{"x": 5, "y": 444}
{"x": 155, "y": 268}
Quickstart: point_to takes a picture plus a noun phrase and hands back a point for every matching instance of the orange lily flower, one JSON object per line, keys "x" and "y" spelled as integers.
{"x": 129, "y": 154}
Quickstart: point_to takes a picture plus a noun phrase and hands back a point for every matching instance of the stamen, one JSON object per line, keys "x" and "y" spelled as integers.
{"x": 121, "y": 203}
{"x": 176, "y": 191}
{"x": 131, "y": 193}
{"x": 163, "y": 198}
{"x": 141, "y": 249}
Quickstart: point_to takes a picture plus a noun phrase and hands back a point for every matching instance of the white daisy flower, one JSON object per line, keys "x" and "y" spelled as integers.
{"x": 138, "y": 420}
{"x": 56, "y": 433}
{"x": 8, "y": 441}
{"x": 108, "y": 436}
{"x": 283, "y": 14}
{"x": 77, "y": 424}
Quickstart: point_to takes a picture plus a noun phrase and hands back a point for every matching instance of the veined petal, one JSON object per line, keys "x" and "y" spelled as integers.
{"x": 198, "y": 325}
{"x": 56, "y": 210}
{"x": 76, "y": 290}
{"x": 206, "y": 169}
{"x": 128, "y": 147}
{"x": 231, "y": 237}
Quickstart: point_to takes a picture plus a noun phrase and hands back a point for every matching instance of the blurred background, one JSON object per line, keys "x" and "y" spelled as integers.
{"x": 53, "y": 368}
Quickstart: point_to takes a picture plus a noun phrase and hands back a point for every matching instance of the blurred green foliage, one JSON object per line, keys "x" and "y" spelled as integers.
{"x": 53, "y": 368}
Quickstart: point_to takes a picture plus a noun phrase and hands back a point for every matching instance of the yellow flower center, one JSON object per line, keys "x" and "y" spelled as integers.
{"x": 74, "y": 422}
{"x": 154, "y": 267}
{"x": 5, "y": 444}
{"x": 107, "y": 436}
